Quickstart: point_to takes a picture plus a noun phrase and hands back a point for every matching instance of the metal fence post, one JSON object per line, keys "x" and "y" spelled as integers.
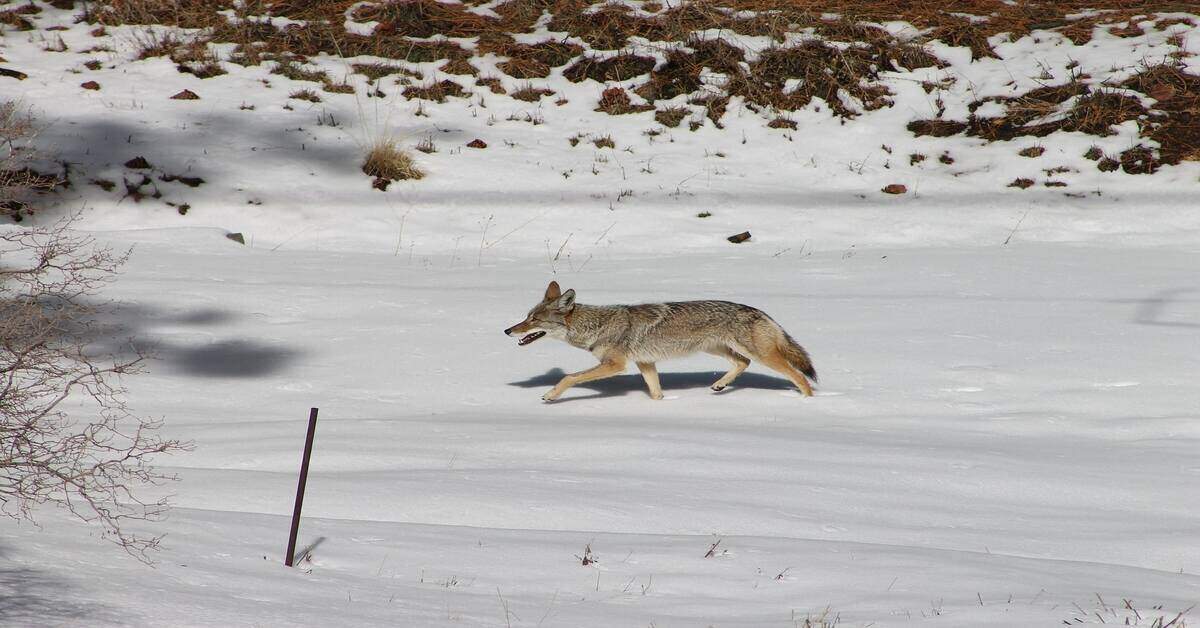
{"x": 308, "y": 443}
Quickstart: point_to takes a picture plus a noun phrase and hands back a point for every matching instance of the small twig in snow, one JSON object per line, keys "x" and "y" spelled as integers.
{"x": 1015, "y": 227}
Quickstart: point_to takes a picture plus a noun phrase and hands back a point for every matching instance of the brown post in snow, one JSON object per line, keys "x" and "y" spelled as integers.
{"x": 308, "y": 442}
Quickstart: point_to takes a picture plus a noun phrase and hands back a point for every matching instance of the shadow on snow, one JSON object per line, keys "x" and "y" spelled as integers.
{"x": 623, "y": 384}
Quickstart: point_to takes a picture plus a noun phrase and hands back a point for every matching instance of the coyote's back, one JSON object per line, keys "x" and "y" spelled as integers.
{"x": 658, "y": 331}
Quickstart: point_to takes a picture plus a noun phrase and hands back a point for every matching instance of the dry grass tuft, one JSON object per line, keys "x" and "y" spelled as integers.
{"x": 191, "y": 54}
{"x": 529, "y": 93}
{"x": 196, "y": 58}
{"x": 154, "y": 44}
{"x": 714, "y": 108}
{"x": 671, "y": 116}
{"x": 492, "y": 83}
{"x": 294, "y": 70}
{"x": 436, "y": 92}
{"x": 459, "y": 65}
{"x": 16, "y": 20}
{"x": 385, "y": 160}
{"x": 376, "y": 71}
{"x": 338, "y": 88}
{"x": 616, "y": 101}
{"x": 305, "y": 94}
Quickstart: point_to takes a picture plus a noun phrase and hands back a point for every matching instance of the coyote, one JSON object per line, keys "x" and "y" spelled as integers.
{"x": 647, "y": 333}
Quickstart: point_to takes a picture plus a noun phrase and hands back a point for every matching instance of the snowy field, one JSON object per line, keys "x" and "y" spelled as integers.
{"x": 1001, "y": 435}
{"x": 1005, "y": 431}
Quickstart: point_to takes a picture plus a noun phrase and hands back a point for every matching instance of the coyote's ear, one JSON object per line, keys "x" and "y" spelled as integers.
{"x": 552, "y": 291}
{"x": 565, "y": 302}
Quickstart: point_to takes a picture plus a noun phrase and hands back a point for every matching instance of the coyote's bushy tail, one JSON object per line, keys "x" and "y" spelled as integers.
{"x": 797, "y": 357}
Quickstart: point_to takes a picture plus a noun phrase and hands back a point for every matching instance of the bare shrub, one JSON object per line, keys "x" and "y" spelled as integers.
{"x": 68, "y": 437}
{"x": 18, "y": 180}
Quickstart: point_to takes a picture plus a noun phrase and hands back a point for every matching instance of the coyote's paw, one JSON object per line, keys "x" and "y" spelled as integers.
{"x": 550, "y": 396}
{"x": 717, "y": 388}
{"x": 656, "y": 397}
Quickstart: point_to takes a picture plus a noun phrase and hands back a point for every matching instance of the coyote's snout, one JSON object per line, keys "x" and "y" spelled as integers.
{"x": 645, "y": 334}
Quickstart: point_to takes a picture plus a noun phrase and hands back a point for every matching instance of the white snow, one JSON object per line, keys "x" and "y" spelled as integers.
{"x": 1004, "y": 434}
{"x": 1008, "y": 424}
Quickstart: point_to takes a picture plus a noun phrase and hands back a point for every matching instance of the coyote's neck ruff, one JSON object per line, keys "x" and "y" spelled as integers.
{"x": 645, "y": 334}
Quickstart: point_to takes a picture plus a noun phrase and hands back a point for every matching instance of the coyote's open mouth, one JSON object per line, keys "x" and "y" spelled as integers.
{"x": 530, "y": 338}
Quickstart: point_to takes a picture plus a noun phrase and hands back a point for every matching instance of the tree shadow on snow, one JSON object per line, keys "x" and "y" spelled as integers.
{"x": 623, "y": 384}
{"x": 123, "y": 329}
{"x": 29, "y": 597}
{"x": 98, "y": 149}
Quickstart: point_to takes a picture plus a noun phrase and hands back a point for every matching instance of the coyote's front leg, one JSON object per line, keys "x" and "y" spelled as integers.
{"x": 609, "y": 366}
{"x": 650, "y": 374}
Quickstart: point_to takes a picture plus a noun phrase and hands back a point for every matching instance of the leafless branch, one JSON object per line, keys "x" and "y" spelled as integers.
{"x": 91, "y": 454}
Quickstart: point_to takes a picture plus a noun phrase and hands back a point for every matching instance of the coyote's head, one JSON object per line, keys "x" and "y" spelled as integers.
{"x": 547, "y": 317}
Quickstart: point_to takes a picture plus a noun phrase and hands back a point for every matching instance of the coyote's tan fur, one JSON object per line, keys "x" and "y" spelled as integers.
{"x": 645, "y": 334}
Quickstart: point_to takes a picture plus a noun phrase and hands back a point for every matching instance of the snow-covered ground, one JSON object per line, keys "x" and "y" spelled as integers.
{"x": 1000, "y": 435}
{"x": 1005, "y": 433}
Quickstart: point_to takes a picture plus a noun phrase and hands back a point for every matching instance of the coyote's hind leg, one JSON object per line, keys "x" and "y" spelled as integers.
{"x": 740, "y": 362}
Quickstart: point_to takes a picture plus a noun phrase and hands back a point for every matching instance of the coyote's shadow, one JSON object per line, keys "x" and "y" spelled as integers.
{"x": 633, "y": 382}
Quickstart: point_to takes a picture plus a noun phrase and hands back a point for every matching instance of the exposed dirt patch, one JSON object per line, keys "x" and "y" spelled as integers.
{"x": 138, "y": 163}
{"x": 1043, "y": 111}
{"x": 537, "y": 60}
{"x": 1174, "y": 118}
{"x": 423, "y": 18}
{"x": 191, "y": 182}
{"x": 820, "y": 70}
{"x": 936, "y": 128}
{"x": 618, "y": 68}
{"x": 679, "y": 76}
{"x": 1021, "y": 183}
